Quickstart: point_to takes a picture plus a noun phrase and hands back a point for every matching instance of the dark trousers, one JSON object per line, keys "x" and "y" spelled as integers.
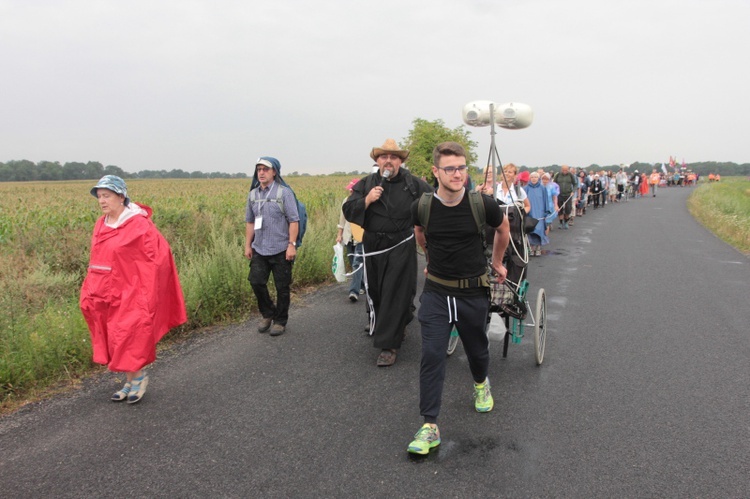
{"x": 260, "y": 269}
{"x": 566, "y": 206}
{"x": 392, "y": 286}
{"x": 470, "y": 318}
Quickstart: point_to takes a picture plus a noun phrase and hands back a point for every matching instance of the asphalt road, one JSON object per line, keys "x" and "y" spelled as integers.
{"x": 644, "y": 392}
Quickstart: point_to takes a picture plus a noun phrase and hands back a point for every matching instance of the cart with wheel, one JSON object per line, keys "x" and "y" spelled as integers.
{"x": 518, "y": 315}
{"x": 510, "y": 298}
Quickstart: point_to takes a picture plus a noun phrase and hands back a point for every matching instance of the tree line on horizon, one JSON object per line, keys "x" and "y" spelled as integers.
{"x": 28, "y": 171}
{"x": 422, "y": 138}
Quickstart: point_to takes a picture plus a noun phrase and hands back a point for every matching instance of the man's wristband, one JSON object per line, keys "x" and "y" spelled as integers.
{"x": 293, "y": 243}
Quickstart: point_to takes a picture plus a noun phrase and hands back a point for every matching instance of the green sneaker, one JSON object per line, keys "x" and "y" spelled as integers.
{"x": 426, "y": 438}
{"x": 482, "y": 397}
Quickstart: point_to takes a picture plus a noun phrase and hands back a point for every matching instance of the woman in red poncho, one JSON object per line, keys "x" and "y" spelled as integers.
{"x": 131, "y": 296}
{"x": 643, "y": 185}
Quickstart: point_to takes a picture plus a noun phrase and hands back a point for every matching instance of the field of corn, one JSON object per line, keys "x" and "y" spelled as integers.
{"x": 45, "y": 234}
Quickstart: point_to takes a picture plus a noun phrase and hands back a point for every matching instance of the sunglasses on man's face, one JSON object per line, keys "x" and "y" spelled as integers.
{"x": 262, "y": 169}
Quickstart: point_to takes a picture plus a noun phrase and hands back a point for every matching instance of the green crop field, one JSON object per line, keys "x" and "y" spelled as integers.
{"x": 45, "y": 233}
{"x": 724, "y": 209}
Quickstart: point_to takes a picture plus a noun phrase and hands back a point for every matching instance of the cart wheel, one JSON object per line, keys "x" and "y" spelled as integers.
{"x": 540, "y": 327}
{"x": 452, "y": 342}
{"x": 506, "y": 340}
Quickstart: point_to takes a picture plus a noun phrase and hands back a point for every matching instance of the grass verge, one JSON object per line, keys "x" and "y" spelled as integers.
{"x": 724, "y": 209}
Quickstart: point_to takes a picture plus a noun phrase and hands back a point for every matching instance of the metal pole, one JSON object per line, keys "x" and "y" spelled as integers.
{"x": 492, "y": 147}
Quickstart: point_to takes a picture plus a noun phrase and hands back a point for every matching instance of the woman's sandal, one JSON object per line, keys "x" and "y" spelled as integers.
{"x": 122, "y": 393}
{"x": 138, "y": 389}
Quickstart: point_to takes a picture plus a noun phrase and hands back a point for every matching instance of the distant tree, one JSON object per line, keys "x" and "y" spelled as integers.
{"x": 23, "y": 170}
{"x": 425, "y": 135}
{"x": 93, "y": 169}
{"x": 178, "y": 173}
{"x": 217, "y": 175}
{"x": 49, "y": 170}
{"x": 74, "y": 171}
{"x": 152, "y": 174}
{"x": 115, "y": 170}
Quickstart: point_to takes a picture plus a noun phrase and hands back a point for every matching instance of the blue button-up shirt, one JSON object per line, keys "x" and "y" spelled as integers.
{"x": 273, "y": 236}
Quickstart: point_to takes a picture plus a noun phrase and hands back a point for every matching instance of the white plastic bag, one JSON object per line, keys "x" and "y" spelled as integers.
{"x": 338, "y": 265}
{"x": 496, "y": 329}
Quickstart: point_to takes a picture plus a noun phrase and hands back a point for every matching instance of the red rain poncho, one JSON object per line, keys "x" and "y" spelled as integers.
{"x": 131, "y": 296}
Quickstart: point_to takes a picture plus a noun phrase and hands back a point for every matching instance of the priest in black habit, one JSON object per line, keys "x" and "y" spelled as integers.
{"x": 381, "y": 203}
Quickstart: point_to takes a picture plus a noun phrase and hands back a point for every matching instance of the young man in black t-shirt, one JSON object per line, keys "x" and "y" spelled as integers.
{"x": 457, "y": 286}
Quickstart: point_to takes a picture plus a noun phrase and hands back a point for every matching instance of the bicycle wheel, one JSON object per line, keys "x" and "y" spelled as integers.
{"x": 452, "y": 341}
{"x": 540, "y": 327}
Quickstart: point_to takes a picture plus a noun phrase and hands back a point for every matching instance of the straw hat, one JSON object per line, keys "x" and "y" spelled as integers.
{"x": 390, "y": 147}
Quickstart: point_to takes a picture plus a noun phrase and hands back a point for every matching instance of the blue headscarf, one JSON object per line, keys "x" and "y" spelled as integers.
{"x": 273, "y": 163}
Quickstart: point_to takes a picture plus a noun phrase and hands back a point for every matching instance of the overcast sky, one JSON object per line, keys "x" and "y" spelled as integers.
{"x": 212, "y": 85}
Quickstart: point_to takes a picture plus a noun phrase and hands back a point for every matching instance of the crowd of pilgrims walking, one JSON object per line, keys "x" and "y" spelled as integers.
{"x": 383, "y": 218}
{"x": 386, "y": 215}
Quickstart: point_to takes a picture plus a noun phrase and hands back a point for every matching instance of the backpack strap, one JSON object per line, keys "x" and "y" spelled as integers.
{"x": 477, "y": 210}
{"x": 280, "y": 199}
{"x": 423, "y": 210}
{"x": 480, "y": 218}
{"x": 410, "y": 183}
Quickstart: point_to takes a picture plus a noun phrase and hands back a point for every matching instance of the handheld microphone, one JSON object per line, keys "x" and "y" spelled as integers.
{"x": 386, "y": 174}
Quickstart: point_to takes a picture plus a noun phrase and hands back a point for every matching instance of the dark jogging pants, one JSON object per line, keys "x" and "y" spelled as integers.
{"x": 437, "y": 315}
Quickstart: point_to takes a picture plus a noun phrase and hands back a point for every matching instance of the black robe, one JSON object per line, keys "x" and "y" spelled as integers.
{"x": 391, "y": 277}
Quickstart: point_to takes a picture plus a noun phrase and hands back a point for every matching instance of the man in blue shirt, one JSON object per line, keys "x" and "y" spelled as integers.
{"x": 272, "y": 224}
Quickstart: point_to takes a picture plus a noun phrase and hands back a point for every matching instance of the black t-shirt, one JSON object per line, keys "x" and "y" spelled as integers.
{"x": 454, "y": 247}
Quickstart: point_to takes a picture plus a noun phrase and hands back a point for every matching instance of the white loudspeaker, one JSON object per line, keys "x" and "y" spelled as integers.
{"x": 513, "y": 115}
{"x": 510, "y": 115}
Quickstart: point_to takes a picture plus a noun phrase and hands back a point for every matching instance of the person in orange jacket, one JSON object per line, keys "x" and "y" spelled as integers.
{"x": 653, "y": 181}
